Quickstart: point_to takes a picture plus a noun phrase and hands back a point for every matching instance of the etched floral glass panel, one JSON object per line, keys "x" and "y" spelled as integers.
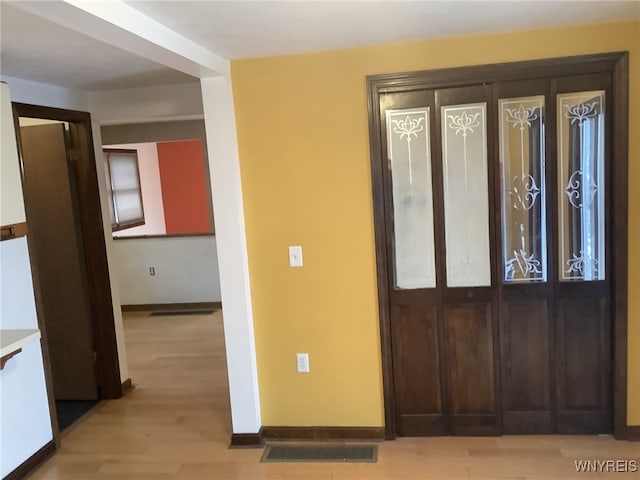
{"x": 581, "y": 191}
{"x": 466, "y": 196}
{"x": 522, "y": 168}
{"x": 410, "y": 164}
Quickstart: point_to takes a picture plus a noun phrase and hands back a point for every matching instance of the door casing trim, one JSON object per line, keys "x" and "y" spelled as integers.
{"x": 616, "y": 64}
{"x": 95, "y": 254}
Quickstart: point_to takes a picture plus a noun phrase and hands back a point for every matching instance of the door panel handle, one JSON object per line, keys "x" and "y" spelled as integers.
{"x": 8, "y": 232}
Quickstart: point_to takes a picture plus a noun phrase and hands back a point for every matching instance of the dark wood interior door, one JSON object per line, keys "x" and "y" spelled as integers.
{"x": 526, "y": 267}
{"x": 497, "y": 207}
{"x": 57, "y": 254}
{"x": 417, "y": 333}
{"x": 439, "y": 224}
{"x": 583, "y": 314}
{"x": 462, "y": 154}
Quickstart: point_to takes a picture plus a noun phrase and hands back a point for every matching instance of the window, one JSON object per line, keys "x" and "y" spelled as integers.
{"x": 125, "y": 195}
{"x": 175, "y": 194}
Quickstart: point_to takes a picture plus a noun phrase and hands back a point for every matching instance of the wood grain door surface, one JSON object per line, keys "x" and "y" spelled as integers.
{"x": 516, "y": 347}
{"x": 58, "y": 260}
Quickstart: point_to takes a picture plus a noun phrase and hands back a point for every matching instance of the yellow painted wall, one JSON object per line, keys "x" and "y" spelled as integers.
{"x": 303, "y": 140}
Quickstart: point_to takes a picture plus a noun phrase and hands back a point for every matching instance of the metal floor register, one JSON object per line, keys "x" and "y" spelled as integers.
{"x": 320, "y": 453}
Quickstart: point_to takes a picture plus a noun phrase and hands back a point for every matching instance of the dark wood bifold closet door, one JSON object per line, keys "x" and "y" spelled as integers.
{"x": 497, "y": 252}
{"x": 526, "y": 267}
{"x": 469, "y": 307}
{"x": 414, "y": 299}
{"x": 439, "y": 224}
{"x": 554, "y": 292}
{"x": 583, "y": 287}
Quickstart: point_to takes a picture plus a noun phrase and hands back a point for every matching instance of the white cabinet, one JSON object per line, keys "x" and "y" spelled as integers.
{"x": 11, "y": 202}
{"x": 24, "y": 408}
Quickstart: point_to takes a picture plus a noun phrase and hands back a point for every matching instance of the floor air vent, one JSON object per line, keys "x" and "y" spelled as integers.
{"x": 320, "y": 453}
{"x": 166, "y": 313}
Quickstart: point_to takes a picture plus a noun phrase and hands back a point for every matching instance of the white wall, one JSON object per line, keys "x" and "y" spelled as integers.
{"x": 25, "y": 91}
{"x": 226, "y": 186}
{"x": 24, "y": 408}
{"x": 36, "y": 93}
{"x": 186, "y": 270}
{"x": 151, "y": 191}
{"x": 149, "y": 104}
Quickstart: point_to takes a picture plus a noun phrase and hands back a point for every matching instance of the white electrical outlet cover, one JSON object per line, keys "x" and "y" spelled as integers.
{"x": 302, "y": 360}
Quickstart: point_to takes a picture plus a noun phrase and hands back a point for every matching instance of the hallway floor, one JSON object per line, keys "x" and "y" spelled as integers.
{"x": 175, "y": 425}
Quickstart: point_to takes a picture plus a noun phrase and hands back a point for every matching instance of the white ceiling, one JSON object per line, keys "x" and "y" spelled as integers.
{"x": 39, "y": 50}
{"x": 243, "y": 29}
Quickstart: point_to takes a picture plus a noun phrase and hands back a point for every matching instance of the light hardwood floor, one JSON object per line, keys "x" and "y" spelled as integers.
{"x": 176, "y": 425}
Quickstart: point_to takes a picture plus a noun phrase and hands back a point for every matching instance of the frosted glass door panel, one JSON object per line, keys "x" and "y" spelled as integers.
{"x": 522, "y": 171}
{"x": 581, "y": 186}
{"x": 410, "y": 163}
{"x": 466, "y": 197}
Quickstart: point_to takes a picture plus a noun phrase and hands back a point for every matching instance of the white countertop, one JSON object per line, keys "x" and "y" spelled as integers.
{"x": 12, "y": 340}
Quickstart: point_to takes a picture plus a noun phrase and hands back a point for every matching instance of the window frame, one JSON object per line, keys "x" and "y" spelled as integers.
{"x": 115, "y": 225}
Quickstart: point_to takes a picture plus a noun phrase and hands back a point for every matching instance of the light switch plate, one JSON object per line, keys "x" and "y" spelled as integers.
{"x": 295, "y": 256}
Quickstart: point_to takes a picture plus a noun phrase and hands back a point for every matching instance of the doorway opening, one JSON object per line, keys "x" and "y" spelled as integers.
{"x": 170, "y": 262}
{"x": 167, "y": 268}
{"x": 68, "y": 260}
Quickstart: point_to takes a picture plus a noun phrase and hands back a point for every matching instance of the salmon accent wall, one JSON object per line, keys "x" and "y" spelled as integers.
{"x": 184, "y": 193}
{"x": 304, "y": 156}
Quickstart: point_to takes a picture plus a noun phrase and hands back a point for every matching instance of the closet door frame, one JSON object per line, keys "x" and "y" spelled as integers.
{"x": 615, "y": 64}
